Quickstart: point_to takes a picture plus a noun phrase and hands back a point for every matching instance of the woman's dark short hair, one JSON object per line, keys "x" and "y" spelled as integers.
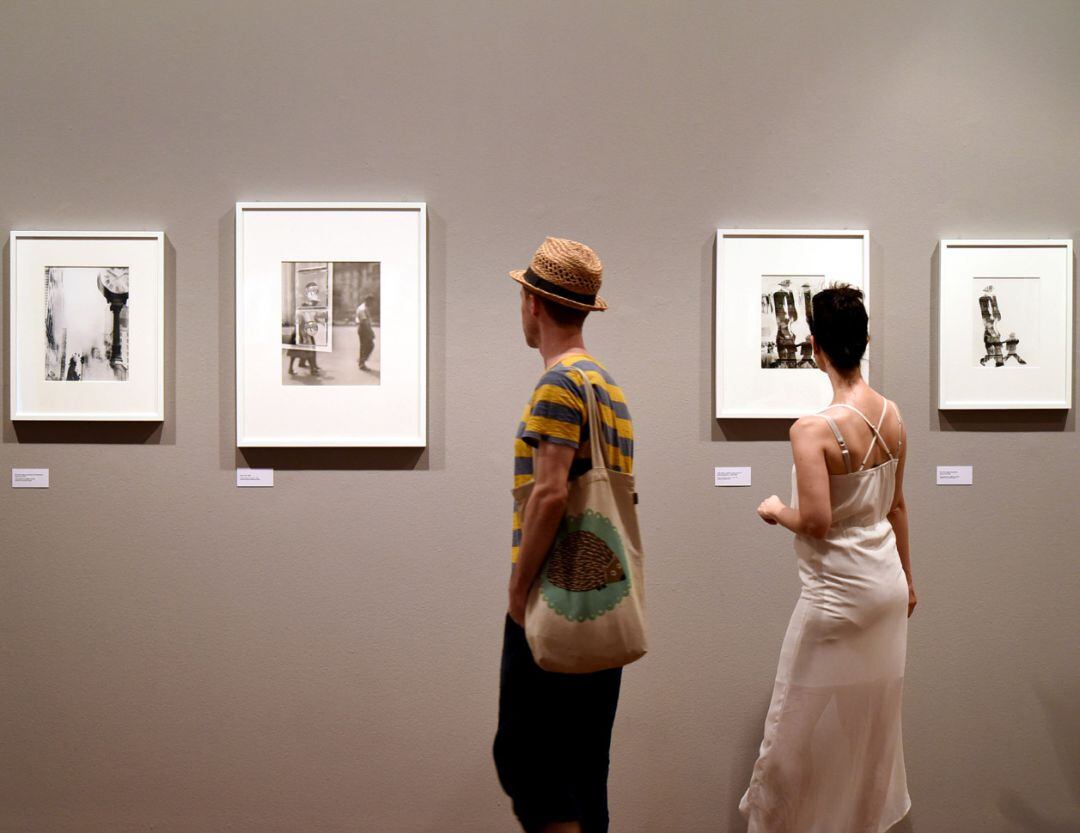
{"x": 839, "y": 325}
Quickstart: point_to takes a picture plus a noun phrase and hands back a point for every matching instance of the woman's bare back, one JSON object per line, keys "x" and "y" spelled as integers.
{"x": 858, "y": 436}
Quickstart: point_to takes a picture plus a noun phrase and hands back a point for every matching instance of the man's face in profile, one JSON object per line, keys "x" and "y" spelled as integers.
{"x": 529, "y": 325}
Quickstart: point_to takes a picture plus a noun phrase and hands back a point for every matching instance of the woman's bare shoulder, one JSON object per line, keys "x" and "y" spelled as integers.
{"x": 809, "y": 428}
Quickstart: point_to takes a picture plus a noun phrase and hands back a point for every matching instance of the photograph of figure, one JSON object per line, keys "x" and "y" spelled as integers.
{"x": 365, "y": 332}
{"x": 1007, "y": 310}
{"x": 86, "y": 324}
{"x": 330, "y": 323}
{"x": 786, "y": 313}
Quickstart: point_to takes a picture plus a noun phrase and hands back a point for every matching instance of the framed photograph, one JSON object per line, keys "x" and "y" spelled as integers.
{"x": 87, "y": 325}
{"x": 331, "y": 324}
{"x": 765, "y": 281}
{"x": 1005, "y": 311}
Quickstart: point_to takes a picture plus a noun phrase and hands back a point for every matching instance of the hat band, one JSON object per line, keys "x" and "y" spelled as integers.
{"x": 533, "y": 279}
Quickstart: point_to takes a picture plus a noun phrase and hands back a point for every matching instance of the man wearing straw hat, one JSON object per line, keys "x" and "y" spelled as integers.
{"x": 551, "y": 748}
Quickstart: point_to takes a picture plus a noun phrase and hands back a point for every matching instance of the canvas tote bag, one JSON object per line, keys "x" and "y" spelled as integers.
{"x": 585, "y": 611}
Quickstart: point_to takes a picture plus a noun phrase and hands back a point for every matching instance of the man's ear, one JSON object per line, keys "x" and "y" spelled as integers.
{"x": 534, "y": 304}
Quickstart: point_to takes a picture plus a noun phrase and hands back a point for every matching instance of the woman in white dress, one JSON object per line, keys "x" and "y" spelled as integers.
{"x": 832, "y": 760}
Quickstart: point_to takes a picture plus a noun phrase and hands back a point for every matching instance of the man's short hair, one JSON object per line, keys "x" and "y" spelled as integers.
{"x": 561, "y": 314}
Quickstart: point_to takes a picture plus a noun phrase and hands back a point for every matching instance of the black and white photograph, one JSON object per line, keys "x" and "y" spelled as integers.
{"x": 328, "y": 387}
{"x": 786, "y": 312}
{"x": 1005, "y": 314}
{"x": 766, "y": 280}
{"x": 87, "y": 324}
{"x": 1007, "y": 322}
{"x": 330, "y": 323}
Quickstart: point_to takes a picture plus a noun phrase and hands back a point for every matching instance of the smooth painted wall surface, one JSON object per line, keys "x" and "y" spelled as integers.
{"x": 184, "y": 656}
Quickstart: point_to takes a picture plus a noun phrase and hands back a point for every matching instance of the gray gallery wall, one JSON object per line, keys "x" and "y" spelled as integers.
{"x": 184, "y": 656}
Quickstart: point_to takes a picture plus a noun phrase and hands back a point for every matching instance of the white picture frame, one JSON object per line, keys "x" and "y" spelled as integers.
{"x": 752, "y": 382}
{"x": 87, "y": 307}
{"x": 1005, "y": 312}
{"x": 328, "y": 391}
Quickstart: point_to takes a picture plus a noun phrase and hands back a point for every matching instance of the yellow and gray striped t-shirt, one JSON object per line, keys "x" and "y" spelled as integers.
{"x": 557, "y": 413}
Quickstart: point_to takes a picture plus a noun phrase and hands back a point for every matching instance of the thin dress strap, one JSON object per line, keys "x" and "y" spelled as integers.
{"x": 875, "y": 428}
{"x": 844, "y": 452}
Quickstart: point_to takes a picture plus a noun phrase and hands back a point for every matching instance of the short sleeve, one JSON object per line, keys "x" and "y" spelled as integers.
{"x": 556, "y": 413}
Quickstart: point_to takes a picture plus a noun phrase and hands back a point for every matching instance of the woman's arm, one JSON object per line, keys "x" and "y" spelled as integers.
{"x": 814, "y": 515}
{"x": 898, "y": 517}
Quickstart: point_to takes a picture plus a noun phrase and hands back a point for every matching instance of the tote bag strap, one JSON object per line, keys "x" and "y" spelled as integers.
{"x": 596, "y": 424}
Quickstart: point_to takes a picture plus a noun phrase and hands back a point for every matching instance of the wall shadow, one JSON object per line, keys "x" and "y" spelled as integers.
{"x": 227, "y": 339}
{"x": 1005, "y": 420}
{"x": 5, "y": 327}
{"x": 169, "y": 428}
{"x": 751, "y": 430}
{"x": 707, "y": 359}
{"x": 111, "y": 432}
{"x": 89, "y": 433}
{"x": 935, "y": 337}
{"x": 304, "y": 459}
{"x": 437, "y": 372}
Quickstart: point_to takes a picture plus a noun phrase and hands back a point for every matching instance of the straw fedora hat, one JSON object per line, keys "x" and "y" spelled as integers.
{"x": 566, "y": 272}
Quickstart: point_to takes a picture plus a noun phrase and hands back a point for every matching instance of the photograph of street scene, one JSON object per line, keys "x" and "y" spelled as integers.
{"x": 86, "y": 324}
{"x": 330, "y": 323}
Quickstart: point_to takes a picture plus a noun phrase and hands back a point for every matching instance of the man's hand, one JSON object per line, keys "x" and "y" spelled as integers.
{"x": 541, "y": 516}
{"x": 517, "y": 604}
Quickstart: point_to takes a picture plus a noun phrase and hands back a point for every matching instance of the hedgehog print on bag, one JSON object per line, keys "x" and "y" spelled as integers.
{"x": 583, "y": 561}
{"x": 586, "y": 573}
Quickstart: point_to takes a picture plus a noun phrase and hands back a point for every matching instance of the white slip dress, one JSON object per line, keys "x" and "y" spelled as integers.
{"x": 832, "y": 758}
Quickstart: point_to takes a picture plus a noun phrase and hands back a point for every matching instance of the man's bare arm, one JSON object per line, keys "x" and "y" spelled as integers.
{"x": 540, "y": 520}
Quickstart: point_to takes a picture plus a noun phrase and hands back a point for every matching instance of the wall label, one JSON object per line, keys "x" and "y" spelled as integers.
{"x": 955, "y": 475}
{"x": 737, "y": 476}
{"x": 254, "y": 477}
{"x": 29, "y": 478}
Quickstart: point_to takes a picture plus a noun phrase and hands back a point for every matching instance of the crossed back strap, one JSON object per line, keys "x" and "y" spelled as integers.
{"x": 844, "y": 452}
{"x": 878, "y": 439}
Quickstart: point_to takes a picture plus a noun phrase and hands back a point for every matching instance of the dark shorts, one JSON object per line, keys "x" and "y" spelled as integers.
{"x": 551, "y": 748}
